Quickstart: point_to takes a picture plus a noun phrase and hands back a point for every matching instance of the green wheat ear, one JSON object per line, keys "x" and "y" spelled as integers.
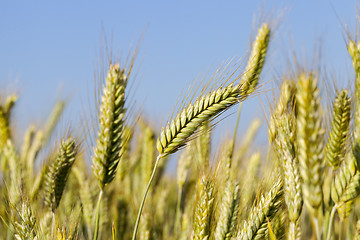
{"x": 177, "y": 133}
{"x": 58, "y": 173}
{"x": 107, "y": 151}
{"x": 257, "y": 59}
{"x": 336, "y": 146}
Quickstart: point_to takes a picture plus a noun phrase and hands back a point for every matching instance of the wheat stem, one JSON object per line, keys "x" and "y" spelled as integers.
{"x": 332, "y": 214}
{"x": 144, "y": 197}
{"x": 97, "y": 216}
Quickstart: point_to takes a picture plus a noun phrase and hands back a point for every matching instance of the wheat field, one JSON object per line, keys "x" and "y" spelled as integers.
{"x": 305, "y": 187}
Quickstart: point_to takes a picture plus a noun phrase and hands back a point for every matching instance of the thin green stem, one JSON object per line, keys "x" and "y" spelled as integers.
{"x": 97, "y": 217}
{"x": 144, "y": 197}
{"x": 331, "y": 222}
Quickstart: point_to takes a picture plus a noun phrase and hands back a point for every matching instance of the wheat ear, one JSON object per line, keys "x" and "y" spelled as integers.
{"x": 229, "y": 210}
{"x": 58, "y": 173}
{"x": 107, "y": 151}
{"x": 25, "y": 226}
{"x": 257, "y": 59}
{"x": 108, "y": 145}
{"x": 176, "y": 133}
{"x": 336, "y": 146}
{"x": 57, "y": 176}
{"x": 256, "y": 225}
{"x": 309, "y": 140}
{"x": 346, "y": 183}
{"x": 203, "y": 210}
{"x": 5, "y": 112}
{"x": 285, "y": 142}
{"x": 344, "y": 188}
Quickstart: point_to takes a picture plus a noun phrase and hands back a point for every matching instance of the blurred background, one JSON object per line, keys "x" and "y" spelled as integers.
{"x": 51, "y": 51}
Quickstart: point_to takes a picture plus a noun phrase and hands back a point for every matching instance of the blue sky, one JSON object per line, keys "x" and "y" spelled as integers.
{"x": 49, "y": 50}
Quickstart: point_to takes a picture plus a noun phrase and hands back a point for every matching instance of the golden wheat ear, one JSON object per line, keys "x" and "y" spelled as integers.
{"x": 203, "y": 209}
{"x": 310, "y": 140}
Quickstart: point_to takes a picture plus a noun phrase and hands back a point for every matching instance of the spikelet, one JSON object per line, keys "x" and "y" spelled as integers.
{"x": 256, "y": 225}
{"x": 309, "y": 140}
{"x": 336, "y": 146}
{"x": 108, "y": 147}
{"x": 58, "y": 173}
{"x": 256, "y": 59}
{"x": 203, "y": 210}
